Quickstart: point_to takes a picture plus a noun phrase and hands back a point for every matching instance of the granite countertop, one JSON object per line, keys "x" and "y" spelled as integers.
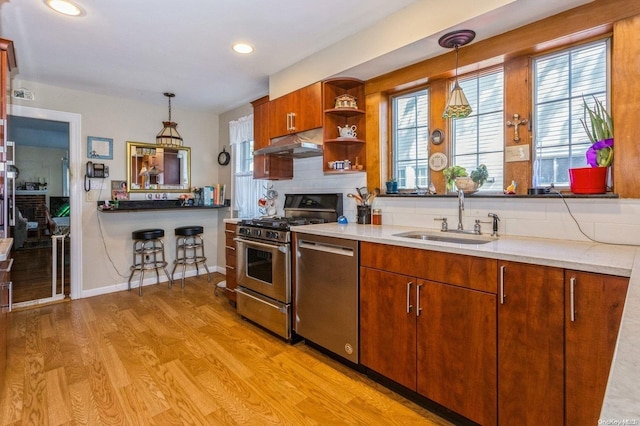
{"x": 582, "y": 256}
{"x": 5, "y": 248}
{"x": 622, "y": 398}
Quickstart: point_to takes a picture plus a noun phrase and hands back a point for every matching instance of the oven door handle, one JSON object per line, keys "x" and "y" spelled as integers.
{"x": 282, "y": 309}
{"x": 281, "y": 247}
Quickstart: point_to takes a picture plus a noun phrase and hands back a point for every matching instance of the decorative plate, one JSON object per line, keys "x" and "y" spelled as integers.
{"x": 438, "y": 162}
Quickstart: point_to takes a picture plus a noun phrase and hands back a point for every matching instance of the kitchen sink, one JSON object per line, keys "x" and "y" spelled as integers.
{"x": 457, "y": 239}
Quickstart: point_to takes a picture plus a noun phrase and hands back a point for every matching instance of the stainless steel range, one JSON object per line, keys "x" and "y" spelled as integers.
{"x": 264, "y": 268}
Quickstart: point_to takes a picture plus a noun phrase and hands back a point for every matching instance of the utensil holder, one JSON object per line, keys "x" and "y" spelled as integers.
{"x": 364, "y": 215}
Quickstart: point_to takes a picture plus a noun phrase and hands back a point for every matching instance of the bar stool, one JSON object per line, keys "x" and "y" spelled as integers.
{"x": 148, "y": 254}
{"x": 188, "y": 242}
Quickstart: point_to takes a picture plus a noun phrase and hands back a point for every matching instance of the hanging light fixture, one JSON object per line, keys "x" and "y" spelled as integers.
{"x": 169, "y": 135}
{"x": 458, "y": 106}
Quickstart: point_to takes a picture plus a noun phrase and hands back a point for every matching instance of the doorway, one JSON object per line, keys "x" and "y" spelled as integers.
{"x": 52, "y": 189}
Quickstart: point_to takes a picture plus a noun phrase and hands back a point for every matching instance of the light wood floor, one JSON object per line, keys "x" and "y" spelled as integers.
{"x": 178, "y": 357}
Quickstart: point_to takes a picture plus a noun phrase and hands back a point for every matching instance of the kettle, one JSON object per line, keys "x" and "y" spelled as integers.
{"x": 347, "y": 131}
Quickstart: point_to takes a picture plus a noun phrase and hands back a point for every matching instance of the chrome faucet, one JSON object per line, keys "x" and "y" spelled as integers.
{"x": 460, "y": 209}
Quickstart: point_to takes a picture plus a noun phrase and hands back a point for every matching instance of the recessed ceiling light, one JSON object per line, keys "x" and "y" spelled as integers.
{"x": 243, "y": 48}
{"x": 65, "y": 7}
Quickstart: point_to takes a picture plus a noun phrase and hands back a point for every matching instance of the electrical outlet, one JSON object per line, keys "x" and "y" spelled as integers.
{"x": 90, "y": 196}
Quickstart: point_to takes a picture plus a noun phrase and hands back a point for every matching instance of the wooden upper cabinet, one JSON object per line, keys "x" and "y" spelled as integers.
{"x": 269, "y": 167}
{"x": 296, "y": 112}
{"x": 593, "y": 312}
{"x": 260, "y": 122}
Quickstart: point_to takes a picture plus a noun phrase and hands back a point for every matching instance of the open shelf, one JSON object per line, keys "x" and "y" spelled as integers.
{"x": 337, "y": 148}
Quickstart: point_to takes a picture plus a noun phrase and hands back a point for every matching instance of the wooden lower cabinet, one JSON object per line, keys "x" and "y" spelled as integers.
{"x": 536, "y": 351}
{"x": 230, "y": 258}
{"x": 530, "y": 345}
{"x": 434, "y": 338}
{"x": 590, "y": 338}
{"x": 388, "y": 325}
{"x": 557, "y": 331}
{"x": 457, "y": 350}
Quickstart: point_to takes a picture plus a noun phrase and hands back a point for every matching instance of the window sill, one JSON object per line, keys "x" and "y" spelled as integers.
{"x": 499, "y": 195}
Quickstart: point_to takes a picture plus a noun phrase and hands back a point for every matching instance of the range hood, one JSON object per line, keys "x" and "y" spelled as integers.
{"x": 295, "y": 146}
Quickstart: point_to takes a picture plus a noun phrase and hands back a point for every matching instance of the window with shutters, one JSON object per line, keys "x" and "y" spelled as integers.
{"x": 410, "y": 139}
{"x": 561, "y": 81}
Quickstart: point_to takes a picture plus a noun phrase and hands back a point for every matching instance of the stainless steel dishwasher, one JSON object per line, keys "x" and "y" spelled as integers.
{"x": 326, "y": 293}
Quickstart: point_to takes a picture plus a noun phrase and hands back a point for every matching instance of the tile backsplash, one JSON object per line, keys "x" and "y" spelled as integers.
{"x": 607, "y": 220}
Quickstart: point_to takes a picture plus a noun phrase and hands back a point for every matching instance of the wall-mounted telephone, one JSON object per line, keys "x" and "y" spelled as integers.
{"x": 96, "y": 171}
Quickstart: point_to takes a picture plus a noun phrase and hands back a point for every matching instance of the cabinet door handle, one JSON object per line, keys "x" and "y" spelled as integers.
{"x": 288, "y": 121}
{"x": 409, "y": 306}
{"x": 230, "y": 267}
{"x": 418, "y": 308}
{"x": 572, "y": 300}
{"x": 265, "y": 165}
{"x": 293, "y": 121}
{"x": 503, "y": 268}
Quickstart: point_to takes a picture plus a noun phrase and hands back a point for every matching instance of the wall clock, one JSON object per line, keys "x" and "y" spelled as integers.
{"x": 224, "y": 157}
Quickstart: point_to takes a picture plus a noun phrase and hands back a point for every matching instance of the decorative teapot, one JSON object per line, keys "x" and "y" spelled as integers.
{"x": 347, "y": 132}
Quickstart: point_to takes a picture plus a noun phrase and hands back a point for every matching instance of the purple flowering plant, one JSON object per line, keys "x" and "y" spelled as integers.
{"x": 600, "y": 133}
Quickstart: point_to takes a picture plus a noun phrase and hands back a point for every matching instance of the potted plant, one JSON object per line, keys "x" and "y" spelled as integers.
{"x": 392, "y": 186}
{"x": 598, "y": 125}
{"x": 450, "y": 175}
{"x": 480, "y": 175}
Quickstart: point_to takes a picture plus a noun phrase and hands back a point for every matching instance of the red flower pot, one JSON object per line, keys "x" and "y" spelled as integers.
{"x": 588, "y": 180}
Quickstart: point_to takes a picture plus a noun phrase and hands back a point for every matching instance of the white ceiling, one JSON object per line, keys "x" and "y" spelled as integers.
{"x": 139, "y": 49}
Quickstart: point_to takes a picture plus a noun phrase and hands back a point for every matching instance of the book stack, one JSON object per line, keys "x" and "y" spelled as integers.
{"x": 214, "y": 194}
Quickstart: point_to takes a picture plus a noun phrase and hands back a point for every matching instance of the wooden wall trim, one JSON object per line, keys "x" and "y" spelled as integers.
{"x": 513, "y": 49}
{"x": 517, "y": 90}
{"x": 625, "y": 79}
{"x": 568, "y": 27}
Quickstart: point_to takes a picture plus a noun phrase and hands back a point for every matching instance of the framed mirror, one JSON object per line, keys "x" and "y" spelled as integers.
{"x": 156, "y": 168}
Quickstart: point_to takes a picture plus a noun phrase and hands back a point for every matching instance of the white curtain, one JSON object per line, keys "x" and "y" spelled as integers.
{"x": 247, "y": 191}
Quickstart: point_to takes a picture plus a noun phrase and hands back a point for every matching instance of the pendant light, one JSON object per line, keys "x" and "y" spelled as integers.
{"x": 169, "y": 135}
{"x": 458, "y": 106}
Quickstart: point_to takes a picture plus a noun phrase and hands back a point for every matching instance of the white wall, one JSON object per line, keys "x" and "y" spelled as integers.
{"x": 124, "y": 120}
{"x": 39, "y": 164}
{"x": 224, "y": 172}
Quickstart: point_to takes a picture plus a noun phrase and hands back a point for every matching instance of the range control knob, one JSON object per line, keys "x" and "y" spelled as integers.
{"x": 272, "y": 235}
{"x": 257, "y": 232}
